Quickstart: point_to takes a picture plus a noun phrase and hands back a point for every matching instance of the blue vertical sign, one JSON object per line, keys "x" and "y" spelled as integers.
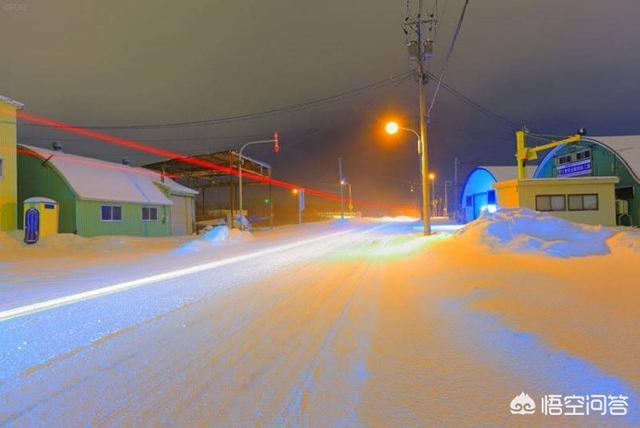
{"x": 300, "y": 205}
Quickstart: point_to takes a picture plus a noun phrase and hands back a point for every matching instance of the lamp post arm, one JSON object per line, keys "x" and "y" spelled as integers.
{"x": 250, "y": 143}
{"x": 244, "y": 146}
{"x": 414, "y": 133}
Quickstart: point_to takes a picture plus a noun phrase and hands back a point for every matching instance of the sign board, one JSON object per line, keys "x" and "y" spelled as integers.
{"x": 573, "y": 169}
{"x": 301, "y": 200}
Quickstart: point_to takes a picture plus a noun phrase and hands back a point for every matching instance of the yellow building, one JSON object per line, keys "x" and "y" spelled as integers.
{"x": 8, "y": 167}
{"x": 589, "y": 200}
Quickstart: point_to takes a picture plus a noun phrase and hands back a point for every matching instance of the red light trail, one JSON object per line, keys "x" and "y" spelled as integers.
{"x": 124, "y": 142}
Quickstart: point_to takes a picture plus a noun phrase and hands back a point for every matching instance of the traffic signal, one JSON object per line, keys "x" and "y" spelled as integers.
{"x": 276, "y": 142}
{"x": 266, "y": 201}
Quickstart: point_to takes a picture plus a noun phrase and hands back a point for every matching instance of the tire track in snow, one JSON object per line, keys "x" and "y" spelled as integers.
{"x": 325, "y": 365}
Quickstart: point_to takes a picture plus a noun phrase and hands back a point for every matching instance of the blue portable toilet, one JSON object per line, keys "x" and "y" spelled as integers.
{"x": 31, "y": 226}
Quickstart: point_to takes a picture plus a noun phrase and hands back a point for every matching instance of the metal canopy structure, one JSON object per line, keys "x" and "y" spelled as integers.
{"x": 202, "y": 178}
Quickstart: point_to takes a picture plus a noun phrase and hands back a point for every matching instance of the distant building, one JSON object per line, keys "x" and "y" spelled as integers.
{"x": 478, "y": 193}
{"x": 600, "y": 157}
{"x": 104, "y": 198}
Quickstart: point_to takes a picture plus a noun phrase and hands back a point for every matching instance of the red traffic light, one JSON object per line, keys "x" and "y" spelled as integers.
{"x": 276, "y": 142}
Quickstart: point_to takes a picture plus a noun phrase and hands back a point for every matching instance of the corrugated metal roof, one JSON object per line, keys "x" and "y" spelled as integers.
{"x": 625, "y": 147}
{"x": 94, "y": 179}
{"x": 504, "y": 173}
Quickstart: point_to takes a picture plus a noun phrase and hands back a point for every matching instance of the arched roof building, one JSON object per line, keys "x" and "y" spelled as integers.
{"x": 478, "y": 193}
{"x": 617, "y": 156}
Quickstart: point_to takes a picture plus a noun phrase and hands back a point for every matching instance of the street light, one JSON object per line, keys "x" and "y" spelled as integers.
{"x": 432, "y": 178}
{"x": 344, "y": 182}
{"x": 392, "y": 128}
{"x": 276, "y": 148}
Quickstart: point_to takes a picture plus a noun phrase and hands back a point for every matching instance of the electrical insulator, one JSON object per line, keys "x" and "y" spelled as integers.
{"x": 413, "y": 48}
{"x": 428, "y": 49}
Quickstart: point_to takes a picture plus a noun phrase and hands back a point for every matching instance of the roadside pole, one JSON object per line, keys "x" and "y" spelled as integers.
{"x": 341, "y": 188}
{"x": 456, "y": 206}
{"x": 301, "y": 204}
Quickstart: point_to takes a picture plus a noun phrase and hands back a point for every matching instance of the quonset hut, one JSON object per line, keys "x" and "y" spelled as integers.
{"x": 601, "y": 157}
{"x": 478, "y": 193}
{"x": 104, "y": 198}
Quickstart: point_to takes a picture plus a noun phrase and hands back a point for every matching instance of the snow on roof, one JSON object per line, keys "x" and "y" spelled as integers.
{"x": 94, "y": 179}
{"x": 504, "y": 173}
{"x": 14, "y": 103}
{"x": 39, "y": 200}
{"x": 625, "y": 147}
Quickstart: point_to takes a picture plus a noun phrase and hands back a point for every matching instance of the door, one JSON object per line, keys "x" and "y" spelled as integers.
{"x": 179, "y": 216}
{"x": 31, "y": 226}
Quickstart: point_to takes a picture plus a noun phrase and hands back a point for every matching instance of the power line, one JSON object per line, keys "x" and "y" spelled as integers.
{"x": 395, "y": 79}
{"x": 448, "y": 57}
{"x": 476, "y": 105}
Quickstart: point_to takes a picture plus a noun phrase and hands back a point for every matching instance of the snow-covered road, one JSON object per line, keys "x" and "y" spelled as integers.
{"x": 352, "y": 329}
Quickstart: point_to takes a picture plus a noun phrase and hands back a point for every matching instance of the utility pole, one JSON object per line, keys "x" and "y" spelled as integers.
{"x": 456, "y": 202}
{"x": 447, "y": 183}
{"x": 421, "y": 49}
{"x": 340, "y": 182}
{"x": 433, "y": 195}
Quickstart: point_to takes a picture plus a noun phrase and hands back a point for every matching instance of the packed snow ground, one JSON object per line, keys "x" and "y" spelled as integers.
{"x": 369, "y": 324}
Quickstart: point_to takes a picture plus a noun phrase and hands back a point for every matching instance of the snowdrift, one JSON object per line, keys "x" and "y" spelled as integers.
{"x": 213, "y": 237}
{"x": 527, "y": 231}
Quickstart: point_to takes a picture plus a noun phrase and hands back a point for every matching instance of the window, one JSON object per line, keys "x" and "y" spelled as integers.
{"x": 1, "y": 168}
{"x": 550, "y": 203}
{"x": 469, "y": 201}
{"x": 110, "y": 213}
{"x": 583, "y": 202}
{"x": 491, "y": 197}
{"x": 149, "y": 214}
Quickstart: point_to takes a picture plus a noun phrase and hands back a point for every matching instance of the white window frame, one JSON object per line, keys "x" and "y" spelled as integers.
{"x": 582, "y": 197}
{"x": 550, "y": 199}
{"x": 111, "y": 220}
{"x": 150, "y": 210}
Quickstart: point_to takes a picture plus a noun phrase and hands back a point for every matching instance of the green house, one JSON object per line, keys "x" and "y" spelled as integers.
{"x": 104, "y": 198}
{"x": 602, "y": 157}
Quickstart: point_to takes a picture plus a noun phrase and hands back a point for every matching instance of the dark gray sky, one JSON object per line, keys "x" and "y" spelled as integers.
{"x": 555, "y": 65}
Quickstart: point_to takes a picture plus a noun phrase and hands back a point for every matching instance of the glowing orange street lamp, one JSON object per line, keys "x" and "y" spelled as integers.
{"x": 392, "y": 128}
{"x": 432, "y": 178}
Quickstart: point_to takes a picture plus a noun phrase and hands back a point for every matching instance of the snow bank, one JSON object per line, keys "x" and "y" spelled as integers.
{"x": 8, "y": 243}
{"x": 213, "y": 237}
{"x": 526, "y": 231}
{"x": 628, "y": 239}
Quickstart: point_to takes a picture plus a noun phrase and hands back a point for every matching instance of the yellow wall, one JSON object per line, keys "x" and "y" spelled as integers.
{"x": 522, "y": 194}
{"x": 8, "y": 181}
